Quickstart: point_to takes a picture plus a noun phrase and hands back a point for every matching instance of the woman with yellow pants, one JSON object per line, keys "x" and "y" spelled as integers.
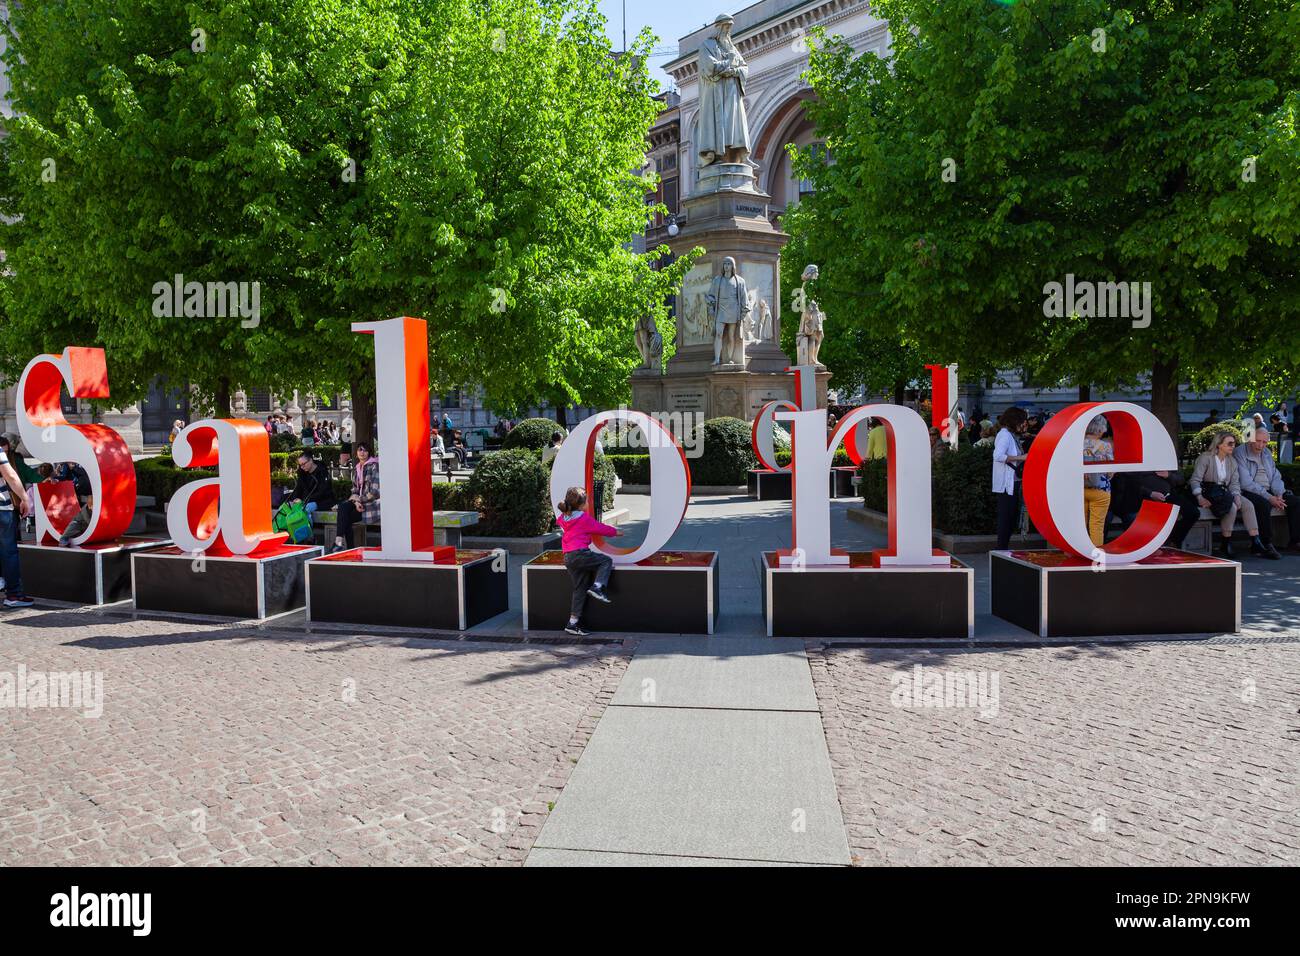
{"x": 1096, "y": 485}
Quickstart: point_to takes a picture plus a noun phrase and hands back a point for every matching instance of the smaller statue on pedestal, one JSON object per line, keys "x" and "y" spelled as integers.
{"x": 764, "y": 321}
{"x": 649, "y": 342}
{"x": 728, "y": 300}
{"x": 811, "y": 322}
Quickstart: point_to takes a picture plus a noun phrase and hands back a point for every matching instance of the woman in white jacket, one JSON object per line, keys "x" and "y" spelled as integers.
{"x": 1007, "y": 453}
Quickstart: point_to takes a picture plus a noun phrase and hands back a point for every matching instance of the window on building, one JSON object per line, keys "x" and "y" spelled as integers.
{"x": 259, "y": 399}
{"x": 819, "y": 155}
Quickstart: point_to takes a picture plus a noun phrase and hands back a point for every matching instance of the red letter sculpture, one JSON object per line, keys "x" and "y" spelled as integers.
{"x": 402, "y": 404}
{"x": 230, "y": 514}
{"x": 97, "y": 448}
{"x": 1054, "y": 473}
{"x": 908, "y": 438}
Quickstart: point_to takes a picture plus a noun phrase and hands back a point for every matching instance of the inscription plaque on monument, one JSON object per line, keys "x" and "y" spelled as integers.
{"x": 687, "y": 400}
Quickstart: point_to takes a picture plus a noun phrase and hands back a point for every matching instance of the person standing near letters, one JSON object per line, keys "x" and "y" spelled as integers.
{"x": 14, "y": 505}
{"x": 1007, "y": 453}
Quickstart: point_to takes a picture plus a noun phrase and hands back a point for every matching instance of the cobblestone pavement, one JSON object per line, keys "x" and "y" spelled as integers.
{"x": 221, "y": 745}
{"x": 1143, "y": 754}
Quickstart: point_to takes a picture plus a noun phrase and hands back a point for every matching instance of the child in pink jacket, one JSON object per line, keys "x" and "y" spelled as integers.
{"x": 584, "y": 564}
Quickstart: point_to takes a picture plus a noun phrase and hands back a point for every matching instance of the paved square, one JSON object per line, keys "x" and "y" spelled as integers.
{"x": 1176, "y": 753}
{"x": 220, "y": 745}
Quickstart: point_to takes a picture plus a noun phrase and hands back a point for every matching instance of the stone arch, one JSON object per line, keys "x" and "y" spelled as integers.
{"x": 782, "y": 121}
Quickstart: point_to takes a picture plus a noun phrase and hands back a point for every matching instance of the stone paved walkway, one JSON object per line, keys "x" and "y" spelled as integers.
{"x": 244, "y": 745}
{"x": 1135, "y": 754}
{"x": 220, "y": 745}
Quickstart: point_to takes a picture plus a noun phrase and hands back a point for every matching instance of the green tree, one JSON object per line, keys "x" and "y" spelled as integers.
{"x": 1002, "y": 147}
{"x": 471, "y": 162}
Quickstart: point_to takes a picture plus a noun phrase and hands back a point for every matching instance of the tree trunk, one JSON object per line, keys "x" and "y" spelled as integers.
{"x": 900, "y": 390}
{"x": 562, "y": 416}
{"x": 1164, "y": 396}
{"x": 363, "y": 413}
{"x": 1085, "y": 393}
{"x": 222, "y": 398}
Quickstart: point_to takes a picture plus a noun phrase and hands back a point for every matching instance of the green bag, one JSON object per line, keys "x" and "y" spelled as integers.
{"x": 292, "y": 518}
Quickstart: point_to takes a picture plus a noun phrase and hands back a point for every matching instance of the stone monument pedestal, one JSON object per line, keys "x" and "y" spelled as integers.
{"x": 728, "y": 217}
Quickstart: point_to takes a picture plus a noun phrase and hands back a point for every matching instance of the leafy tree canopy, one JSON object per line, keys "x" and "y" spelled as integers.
{"x": 471, "y": 162}
{"x": 1001, "y": 147}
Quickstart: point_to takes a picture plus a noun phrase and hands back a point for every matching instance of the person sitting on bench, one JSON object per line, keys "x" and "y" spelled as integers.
{"x": 312, "y": 487}
{"x": 1216, "y": 482}
{"x": 1262, "y": 487}
{"x": 363, "y": 504}
{"x": 1162, "y": 486}
{"x": 457, "y": 447}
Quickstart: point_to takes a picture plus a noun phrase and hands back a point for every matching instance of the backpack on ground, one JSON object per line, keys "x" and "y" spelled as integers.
{"x": 292, "y": 518}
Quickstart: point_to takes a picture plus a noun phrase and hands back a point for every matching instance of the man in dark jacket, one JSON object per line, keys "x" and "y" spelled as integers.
{"x": 1163, "y": 486}
{"x": 70, "y": 471}
{"x": 313, "y": 487}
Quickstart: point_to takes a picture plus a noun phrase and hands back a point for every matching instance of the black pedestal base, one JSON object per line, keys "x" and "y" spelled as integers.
{"x": 1172, "y": 592}
{"x": 767, "y": 485}
{"x": 175, "y": 581}
{"x": 672, "y": 592}
{"x": 859, "y": 600}
{"x": 93, "y": 574}
{"x": 346, "y": 588}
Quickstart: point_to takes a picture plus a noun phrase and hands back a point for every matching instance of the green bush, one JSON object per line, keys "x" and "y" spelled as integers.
{"x": 603, "y": 469}
{"x": 511, "y": 490}
{"x": 1201, "y": 440}
{"x": 285, "y": 442}
{"x": 875, "y": 484}
{"x": 450, "y": 496}
{"x": 633, "y": 469}
{"x": 841, "y": 457}
{"x": 963, "y": 491}
{"x": 531, "y": 433}
{"x": 159, "y": 478}
{"x": 726, "y": 455}
{"x": 962, "y": 499}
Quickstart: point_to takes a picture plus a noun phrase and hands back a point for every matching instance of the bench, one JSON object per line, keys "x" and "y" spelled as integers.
{"x": 1201, "y": 535}
{"x": 446, "y": 462}
{"x": 447, "y": 527}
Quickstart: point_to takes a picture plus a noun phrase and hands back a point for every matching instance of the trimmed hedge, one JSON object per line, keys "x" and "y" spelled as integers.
{"x": 511, "y": 490}
{"x": 1201, "y": 439}
{"x": 633, "y": 469}
{"x": 726, "y": 455}
{"x": 450, "y": 496}
{"x": 961, "y": 488}
{"x": 159, "y": 477}
{"x": 603, "y": 469}
{"x": 532, "y": 433}
{"x": 841, "y": 457}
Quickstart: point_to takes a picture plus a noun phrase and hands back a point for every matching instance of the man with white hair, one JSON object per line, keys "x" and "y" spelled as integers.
{"x": 1261, "y": 485}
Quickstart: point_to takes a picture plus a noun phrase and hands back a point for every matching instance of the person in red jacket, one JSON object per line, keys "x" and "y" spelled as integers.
{"x": 588, "y": 569}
